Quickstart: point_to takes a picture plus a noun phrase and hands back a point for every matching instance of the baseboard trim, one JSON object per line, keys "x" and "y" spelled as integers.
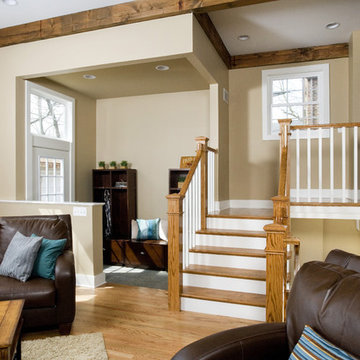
{"x": 90, "y": 281}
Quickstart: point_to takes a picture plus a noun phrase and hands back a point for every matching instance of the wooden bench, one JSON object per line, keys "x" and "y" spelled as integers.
{"x": 148, "y": 254}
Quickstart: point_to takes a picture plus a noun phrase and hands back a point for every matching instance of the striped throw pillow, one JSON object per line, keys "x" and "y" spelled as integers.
{"x": 313, "y": 346}
{"x": 148, "y": 229}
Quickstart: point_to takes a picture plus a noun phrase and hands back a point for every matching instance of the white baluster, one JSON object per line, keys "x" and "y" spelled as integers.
{"x": 185, "y": 228}
{"x": 297, "y": 164}
{"x": 320, "y": 164}
{"x": 355, "y": 164}
{"x": 332, "y": 164}
{"x": 343, "y": 167}
{"x": 308, "y": 135}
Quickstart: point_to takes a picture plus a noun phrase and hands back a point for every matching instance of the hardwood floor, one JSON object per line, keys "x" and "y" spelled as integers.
{"x": 136, "y": 323}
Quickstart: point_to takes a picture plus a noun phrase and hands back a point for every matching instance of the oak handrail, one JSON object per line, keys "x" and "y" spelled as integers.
{"x": 324, "y": 126}
{"x": 191, "y": 172}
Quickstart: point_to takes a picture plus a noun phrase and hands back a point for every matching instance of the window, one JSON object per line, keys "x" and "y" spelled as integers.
{"x": 297, "y": 93}
{"x": 49, "y": 158}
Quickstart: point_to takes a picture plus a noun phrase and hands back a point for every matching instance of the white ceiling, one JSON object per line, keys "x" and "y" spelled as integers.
{"x": 286, "y": 24}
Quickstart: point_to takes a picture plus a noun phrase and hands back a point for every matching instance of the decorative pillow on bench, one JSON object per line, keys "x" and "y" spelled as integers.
{"x": 312, "y": 345}
{"x": 162, "y": 229}
{"x": 20, "y": 256}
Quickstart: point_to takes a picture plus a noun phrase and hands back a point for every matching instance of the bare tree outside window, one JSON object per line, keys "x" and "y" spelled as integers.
{"x": 47, "y": 117}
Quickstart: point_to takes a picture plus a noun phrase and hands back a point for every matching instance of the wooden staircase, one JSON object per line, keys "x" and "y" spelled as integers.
{"x": 226, "y": 274}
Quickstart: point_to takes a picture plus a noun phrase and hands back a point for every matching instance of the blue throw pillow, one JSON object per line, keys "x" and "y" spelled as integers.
{"x": 148, "y": 229}
{"x": 45, "y": 262}
{"x": 311, "y": 346}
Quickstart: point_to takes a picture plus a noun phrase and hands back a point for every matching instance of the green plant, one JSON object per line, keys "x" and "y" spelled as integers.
{"x": 113, "y": 163}
{"x": 181, "y": 178}
{"x": 101, "y": 164}
{"x": 124, "y": 163}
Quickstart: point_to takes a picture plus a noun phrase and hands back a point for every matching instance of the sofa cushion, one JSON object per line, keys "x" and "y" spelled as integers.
{"x": 148, "y": 229}
{"x": 20, "y": 256}
{"x": 37, "y": 292}
{"x": 331, "y": 306}
{"x": 312, "y": 345}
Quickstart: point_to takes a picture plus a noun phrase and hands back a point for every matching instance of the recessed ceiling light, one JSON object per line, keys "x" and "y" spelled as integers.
{"x": 162, "y": 67}
{"x": 243, "y": 37}
{"x": 333, "y": 25}
{"x": 89, "y": 77}
{"x": 10, "y": 2}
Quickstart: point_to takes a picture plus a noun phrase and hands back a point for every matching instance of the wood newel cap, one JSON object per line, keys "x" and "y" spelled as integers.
{"x": 281, "y": 198}
{"x": 202, "y": 140}
{"x": 175, "y": 196}
{"x": 284, "y": 121}
{"x": 275, "y": 228}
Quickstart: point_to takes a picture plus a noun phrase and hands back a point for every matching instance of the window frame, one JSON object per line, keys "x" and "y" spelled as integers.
{"x": 319, "y": 70}
{"x": 38, "y": 141}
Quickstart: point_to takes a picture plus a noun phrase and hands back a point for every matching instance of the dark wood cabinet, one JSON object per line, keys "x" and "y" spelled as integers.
{"x": 176, "y": 178}
{"x": 117, "y": 189}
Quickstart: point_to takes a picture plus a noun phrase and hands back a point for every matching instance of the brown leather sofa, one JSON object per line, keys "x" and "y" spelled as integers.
{"x": 325, "y": 295}
{"x": 47, "y": 302}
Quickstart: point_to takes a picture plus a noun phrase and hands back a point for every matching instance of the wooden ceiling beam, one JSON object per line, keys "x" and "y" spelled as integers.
{"x": 214, "y": 37}
{"x": 313, "y": 53}
{"x": 120, "y": 14}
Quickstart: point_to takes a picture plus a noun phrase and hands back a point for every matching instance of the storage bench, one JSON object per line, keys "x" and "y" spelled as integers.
{"x": 149, "y": 254}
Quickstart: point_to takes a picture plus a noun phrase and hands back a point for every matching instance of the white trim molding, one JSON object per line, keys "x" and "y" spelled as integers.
{"x": 246, "y": 204}
{"x": 90, "y": 281}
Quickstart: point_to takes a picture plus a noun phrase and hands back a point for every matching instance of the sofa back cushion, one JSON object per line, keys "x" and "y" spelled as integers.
{"x": 345, "y": 259}
{"x": 48, "y": 226}
{"x": 326, "y": 297}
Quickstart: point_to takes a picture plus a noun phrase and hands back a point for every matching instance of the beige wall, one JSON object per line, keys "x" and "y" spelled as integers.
{"x": 253, "y": 162}
{"x": 87, "y": 230}
{"x": 151, "y": 132}
{"x": 85, "y": 138}
{"x": 105, "y": 47}
{"x": 319, "y": 237}
{"x": 208, "y": 63}
{"x": 354, "y": 68}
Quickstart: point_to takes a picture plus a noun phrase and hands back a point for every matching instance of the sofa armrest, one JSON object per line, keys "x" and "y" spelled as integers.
{"x": 255, "y": 342}
{"x": 65, "y": 287}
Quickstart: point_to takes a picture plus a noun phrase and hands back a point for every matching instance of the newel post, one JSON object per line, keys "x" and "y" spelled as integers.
{"x": 275, "y": 271}
{"x": 175, "y": 213}
{"x": 202, "y": 144}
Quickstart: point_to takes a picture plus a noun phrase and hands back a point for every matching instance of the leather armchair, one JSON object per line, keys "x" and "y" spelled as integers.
{"x": 47, "y": 302}
{"x": 324, "y": 295}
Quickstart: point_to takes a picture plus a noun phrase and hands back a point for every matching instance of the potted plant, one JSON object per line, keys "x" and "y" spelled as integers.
{"x": 181, "y": 180}
{"x": 101, "y": 165}
{"x": 112, "y": 165}
{"x": 124, "y": 164}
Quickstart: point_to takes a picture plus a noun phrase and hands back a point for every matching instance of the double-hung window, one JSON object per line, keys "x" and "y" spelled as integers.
{"x": 49, "y": 145}
{"x": 297, "y": 93}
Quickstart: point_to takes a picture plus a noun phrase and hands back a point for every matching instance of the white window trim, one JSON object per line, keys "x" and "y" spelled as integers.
{"x": 320, "y": 70}
{"x": 42, "y": 141}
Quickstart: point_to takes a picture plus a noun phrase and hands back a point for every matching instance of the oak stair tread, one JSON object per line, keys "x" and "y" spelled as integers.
{"x": 221, "y": 250}
{"x": 225, "y": 272}
{"x": 226, "y": 296}
{"x": 243, "y": 233}
{"x": 243, "y": 213}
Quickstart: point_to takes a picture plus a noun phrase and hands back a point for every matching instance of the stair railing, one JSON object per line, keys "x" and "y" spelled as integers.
{"x": 334, "y": 141}
{"x": 187, "y": 211}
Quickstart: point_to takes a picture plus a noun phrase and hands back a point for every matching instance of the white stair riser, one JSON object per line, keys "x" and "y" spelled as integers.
{"x": 231, "y": 241}
{"x": 224, "y": 309}
{"x": 237, "y": 224}
{"x": 241, "y": 262}
{"x": 225, "y": 283}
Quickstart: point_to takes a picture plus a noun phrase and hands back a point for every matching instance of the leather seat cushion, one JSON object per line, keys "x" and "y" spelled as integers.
{"x": 37, "y": 292}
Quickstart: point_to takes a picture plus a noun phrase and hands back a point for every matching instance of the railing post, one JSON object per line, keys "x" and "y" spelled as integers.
{"x": 175, "y": 213}
{"x": 202, "y": 144}
{"x": 275, "y": 272}
{"x": 284, "y": 183}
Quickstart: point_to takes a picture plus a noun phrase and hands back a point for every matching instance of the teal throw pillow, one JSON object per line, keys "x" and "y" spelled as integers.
{"x": 311, "y": 346}
{"x": 148, "y": 229}
{"x": 45, "y": 262}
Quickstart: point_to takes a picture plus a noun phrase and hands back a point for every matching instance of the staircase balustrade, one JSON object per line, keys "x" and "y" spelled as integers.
{"x": 187, "y": 212}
